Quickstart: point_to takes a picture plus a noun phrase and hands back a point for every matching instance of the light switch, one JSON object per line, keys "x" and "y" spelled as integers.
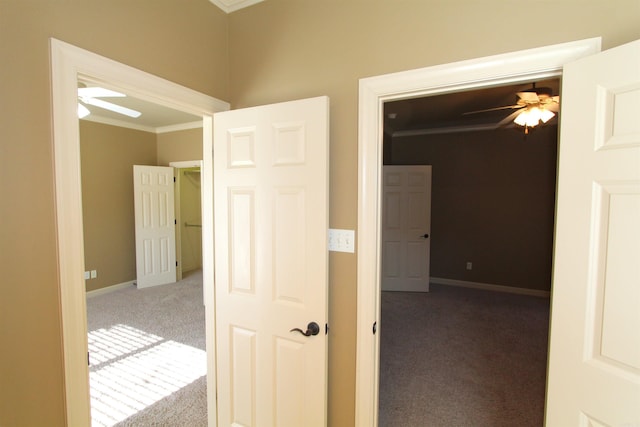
{"x": 342, "y": 240}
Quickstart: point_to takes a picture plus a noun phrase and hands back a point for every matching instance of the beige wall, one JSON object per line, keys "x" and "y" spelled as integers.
{"x": 108, "y": 154}
{"x": 277, "y": 50}
{"x": 179, "y": 146}
{"x": 288, "y": 49}
{"x": 182, "y": 41}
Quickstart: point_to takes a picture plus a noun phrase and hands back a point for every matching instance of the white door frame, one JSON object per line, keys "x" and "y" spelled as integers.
{"x": 522, "y": 66}
{"x": 68, "y": 63}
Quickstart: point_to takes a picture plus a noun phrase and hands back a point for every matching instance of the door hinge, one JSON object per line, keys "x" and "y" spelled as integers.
{"x": 176, "y": 263}
{"x": 326, "y": 329}
{"x": 375, "y": 327}
{"x": 175, "y": 221}
{"x": 174, "y": 179}
{"x": 88, "y": 360}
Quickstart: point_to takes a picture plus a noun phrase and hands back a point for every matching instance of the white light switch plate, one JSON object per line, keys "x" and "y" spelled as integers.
{"x": 342, "y": 240}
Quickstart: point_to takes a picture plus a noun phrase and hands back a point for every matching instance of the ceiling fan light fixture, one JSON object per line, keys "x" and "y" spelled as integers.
{"x": 531, "y": 117}
{"x": 522, "y": 118}
{"x": 546, "y": 115}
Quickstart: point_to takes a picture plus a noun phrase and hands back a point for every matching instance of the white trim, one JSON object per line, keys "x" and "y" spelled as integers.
{"x": 151, "y": 129}
{"x": 186, "y": 164}
{"x": 373, "y": 92}
{"x": 119, "y": 123}
{"x": 181, "y": 126}
{"x": 229, "y": 6}
{"x": 68, "y": 63}
{"x": 490, "y": 287}
{"x": 109, "y": 289}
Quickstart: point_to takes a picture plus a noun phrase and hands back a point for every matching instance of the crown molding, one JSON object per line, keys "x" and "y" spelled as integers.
{"x": 229, "y": 6}
{"x": 157, "y": 130}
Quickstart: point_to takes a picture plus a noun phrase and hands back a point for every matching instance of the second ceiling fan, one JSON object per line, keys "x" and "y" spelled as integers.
{"x": 91, "y": 95}
{"x": 533, "y": 106}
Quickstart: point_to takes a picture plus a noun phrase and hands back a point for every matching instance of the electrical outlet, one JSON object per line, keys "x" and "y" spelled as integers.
{"x": 94, "y": 274}
{"x": 469, "y": 265}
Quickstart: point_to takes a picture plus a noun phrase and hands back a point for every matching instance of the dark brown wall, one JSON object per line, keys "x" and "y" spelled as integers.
{"x": 493, "y": 203}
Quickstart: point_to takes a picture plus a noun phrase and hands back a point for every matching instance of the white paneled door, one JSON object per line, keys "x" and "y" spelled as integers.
{"x": 271, "y": 259}
{"x": 155, "y": 230}
{"x": 406, "y": 228}
{"x": 594, "y": 356}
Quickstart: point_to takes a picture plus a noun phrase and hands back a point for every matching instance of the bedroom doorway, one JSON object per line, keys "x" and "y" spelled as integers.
{"x": 522, "y": 66}
{"x": 69, "y": 63}
{"x": 484, "y": 236}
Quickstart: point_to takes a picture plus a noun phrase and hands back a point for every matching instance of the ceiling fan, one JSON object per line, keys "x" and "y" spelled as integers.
{"x": 533, "y": 106}
{"x": 91, "y": 95}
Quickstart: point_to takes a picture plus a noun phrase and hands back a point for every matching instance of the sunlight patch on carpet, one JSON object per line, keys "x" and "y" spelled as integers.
{"x": 129, "y": 384}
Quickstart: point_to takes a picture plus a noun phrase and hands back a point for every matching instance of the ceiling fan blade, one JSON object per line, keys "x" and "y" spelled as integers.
{"x": 509, "y": 118}
{"x": 528, "y": 96}
{"x": 83, "y": 111}
{"x": 555, "y": 107}
{"x": 505, "y": 107}
{"x": 98, "y": 92}
{"x": 112, "y": 107}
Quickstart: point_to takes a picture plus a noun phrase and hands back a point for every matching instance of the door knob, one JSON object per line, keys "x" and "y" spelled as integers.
{"x": 312, "y": 329}
{"x": 425, "y": 236}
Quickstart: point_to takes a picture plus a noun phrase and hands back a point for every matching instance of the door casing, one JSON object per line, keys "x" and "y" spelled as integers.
{"x": 515, "y": 67}
{"x": 68, "y": 63}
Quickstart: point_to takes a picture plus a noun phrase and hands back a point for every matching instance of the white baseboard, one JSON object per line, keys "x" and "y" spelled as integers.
{"x": 490, "y": 287}
{"x": 109, "y": 289}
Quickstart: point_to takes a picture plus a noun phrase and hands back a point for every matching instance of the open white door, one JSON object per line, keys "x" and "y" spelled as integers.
{"x": 406, "y": 228}
{"x": 594, "y": 359}
{"x": 271, "y": 223}
{"x": 155, "y": 225}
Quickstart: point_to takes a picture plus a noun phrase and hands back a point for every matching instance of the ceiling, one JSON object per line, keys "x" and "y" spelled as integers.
{"x": 445, "y": 113}
{"x": 155, "y": 118}
{"x": 416, "y": 116}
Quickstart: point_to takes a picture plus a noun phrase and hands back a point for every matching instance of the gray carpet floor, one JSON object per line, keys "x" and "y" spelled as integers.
{"x": 147, "y": 355}
{"x": 452, "y": 357}
{"x": 462, "y": 357}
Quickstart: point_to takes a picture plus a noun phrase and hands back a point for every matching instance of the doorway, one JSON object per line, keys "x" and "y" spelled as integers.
{"x": 188, "y": 208}
{"x": 68, "y": 64}
{"x": 498, "y": 70}
{"x": 492, "y": 226}
{"x": 148, "y": 330}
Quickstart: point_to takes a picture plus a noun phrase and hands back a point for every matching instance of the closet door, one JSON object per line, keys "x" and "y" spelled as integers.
{"x": 153, "y": 190}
